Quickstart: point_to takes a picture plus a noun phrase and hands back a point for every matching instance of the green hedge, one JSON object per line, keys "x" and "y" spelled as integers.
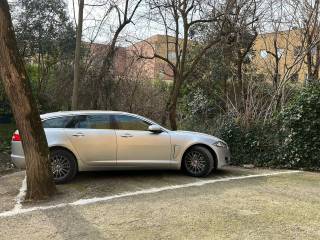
{"x": 300, "y": 132}
{"x": 291, "y": 140}
{"x": 250, "y": 145}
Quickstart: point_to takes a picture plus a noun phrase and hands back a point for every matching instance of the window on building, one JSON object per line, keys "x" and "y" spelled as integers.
{"x": 263, "y": 53}
{"x": 248, "y": 58}
{"x": 280, "y": 52}
{"x": 297, "y": 50}
{"x": 161, "y": 74}
{"x": 314, "y": 50}
{"x": 294, "y": 78}
{"x": 172, "y": 56}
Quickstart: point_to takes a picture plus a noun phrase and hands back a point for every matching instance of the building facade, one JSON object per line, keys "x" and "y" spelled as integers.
{"x": 282, "y": 52}
{"x": 142, "y": 55}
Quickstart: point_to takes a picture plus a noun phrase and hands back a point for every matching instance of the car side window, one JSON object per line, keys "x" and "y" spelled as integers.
{"x": 58, "y": 122}
{"x": 98, "y": 121}
{"x": 125, "y": 122}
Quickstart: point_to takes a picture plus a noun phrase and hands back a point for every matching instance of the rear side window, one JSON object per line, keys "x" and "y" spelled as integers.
{"x": 93, "y": 122}
{"x": 125, "y": 122}
{"x": 59, "y": 122}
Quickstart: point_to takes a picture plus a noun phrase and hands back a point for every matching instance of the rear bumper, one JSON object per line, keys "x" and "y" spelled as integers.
{"x": 17, "y": 155}
{"x": 18, "y": 161}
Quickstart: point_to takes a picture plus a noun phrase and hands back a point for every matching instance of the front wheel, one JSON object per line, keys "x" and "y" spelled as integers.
{"x": 198, "y": 161}
{"x": 63, "y": 165}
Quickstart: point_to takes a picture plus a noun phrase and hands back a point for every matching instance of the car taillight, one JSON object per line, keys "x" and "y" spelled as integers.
{"x": 16, "y": 137}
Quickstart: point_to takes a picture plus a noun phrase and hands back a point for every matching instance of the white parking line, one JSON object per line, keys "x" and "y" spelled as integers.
{"x": 80, "y": 202}
{"x": 22, "y": 193}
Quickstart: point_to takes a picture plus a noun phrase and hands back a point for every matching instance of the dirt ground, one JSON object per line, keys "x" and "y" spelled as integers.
{"x": 283, "y": 206}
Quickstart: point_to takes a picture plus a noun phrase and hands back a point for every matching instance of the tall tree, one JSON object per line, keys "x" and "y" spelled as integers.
{"x": 45, "y": 37}
{"x": 17, "y": 86}
{"x": 311, "y": 25}
{"x": 181, "y": 18}
{"x": 75, "y": 92}
{"x": 291, "y": 46}
{"x": 125, "y": 13}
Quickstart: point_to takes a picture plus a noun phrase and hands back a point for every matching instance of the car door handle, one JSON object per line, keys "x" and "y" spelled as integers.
{"x": 78, "y": 135}
{"x": 126, "y": 135}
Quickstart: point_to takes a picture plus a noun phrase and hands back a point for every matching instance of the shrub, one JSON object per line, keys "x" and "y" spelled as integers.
{"x": 292, "y": 140}
{"x": 255, "y": 144}
{"x": 300, "y": 132}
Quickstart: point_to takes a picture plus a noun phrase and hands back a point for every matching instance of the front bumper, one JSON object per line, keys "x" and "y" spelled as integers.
{"x": 223, "y": 155}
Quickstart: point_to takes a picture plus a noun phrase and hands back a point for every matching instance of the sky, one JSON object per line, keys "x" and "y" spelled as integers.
{"x": 141, "y": 27}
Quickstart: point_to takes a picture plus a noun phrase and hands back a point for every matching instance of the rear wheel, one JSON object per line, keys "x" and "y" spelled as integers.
{"x": 63, "y": 165}
{"x": 198, "y": 161}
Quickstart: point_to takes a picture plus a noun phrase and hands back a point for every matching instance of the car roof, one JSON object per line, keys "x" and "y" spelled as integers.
{"x": 68, "y": 113}
{"x": 65, "y": 113}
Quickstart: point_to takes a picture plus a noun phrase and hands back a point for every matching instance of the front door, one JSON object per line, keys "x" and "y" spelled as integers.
{"x": 94, "y": 138}
{"x": 136, "y": 146}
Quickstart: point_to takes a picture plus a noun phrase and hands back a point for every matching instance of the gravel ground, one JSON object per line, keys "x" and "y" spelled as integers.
{"x": 271, "y": 207}
{"x": 9, "y": 188}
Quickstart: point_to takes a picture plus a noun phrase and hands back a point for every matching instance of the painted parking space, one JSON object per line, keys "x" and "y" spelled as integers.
{"x": 95, "y": 187}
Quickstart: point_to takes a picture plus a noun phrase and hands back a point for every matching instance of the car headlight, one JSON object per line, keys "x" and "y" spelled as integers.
{"x": 220, "y": 144}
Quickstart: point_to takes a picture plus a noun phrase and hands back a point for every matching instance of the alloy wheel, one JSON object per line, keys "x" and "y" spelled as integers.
{"x": 195, "y": 162}
{"x": 60, "y": 167}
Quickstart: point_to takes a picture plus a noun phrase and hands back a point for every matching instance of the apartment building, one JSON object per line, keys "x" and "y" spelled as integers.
{"x": 98, "y": 51}
{"x": 286, "y": 45}
{"x": 143, "y": 53}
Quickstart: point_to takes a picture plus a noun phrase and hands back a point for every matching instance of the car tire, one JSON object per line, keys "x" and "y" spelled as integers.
{"x": 198, "y": 161}
{"x": 64, "y": 166}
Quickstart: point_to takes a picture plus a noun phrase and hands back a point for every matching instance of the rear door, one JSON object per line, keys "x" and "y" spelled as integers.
{"x": 54, "y": 129}
{"x": 94, "y": 139}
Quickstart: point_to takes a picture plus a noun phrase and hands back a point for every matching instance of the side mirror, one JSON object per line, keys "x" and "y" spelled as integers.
{"x": 155, "y": 128}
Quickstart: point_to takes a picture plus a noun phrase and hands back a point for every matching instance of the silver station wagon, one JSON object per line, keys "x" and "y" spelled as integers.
{"x": 105, "y": 140}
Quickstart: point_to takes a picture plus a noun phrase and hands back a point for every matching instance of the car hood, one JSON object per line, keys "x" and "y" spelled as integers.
{"x": 198, "y": 135}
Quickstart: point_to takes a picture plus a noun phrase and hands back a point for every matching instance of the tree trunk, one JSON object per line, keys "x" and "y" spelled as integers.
{"x": 309, "y": 64}
{"x": 104, "y": 81}
{"x": 173, "y": 116}
{"x": 166, "y": 109}
{"x": 277, "y": 61}
{"x": 317, "y": 63}
{"x": 75, "y": 90}
{"x": 173, "y": 103}
{"x": 239, "y": 91}
{"x": 17, "y": 86}
{"x": 309, "y": 56}
{"x": 105, "y": 77}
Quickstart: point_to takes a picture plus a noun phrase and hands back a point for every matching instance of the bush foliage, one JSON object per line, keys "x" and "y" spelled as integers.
{"x": 300, "y": 132}
{"x": 256, "y": 144}
{"x": 290, "y": 140}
